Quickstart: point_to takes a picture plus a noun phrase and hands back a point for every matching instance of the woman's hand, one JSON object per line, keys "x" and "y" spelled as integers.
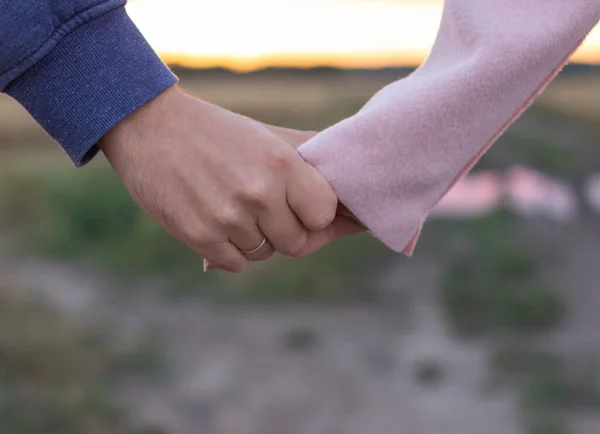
{"x": 221, "y": 182}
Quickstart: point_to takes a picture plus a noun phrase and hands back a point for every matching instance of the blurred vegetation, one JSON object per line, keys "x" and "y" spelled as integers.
{"x": 493, "y": 284}
{"x": 552, "y": 391}
{"x": 58, "y": 376}
{"x": 547, "y": 424}
{"x": 493, "y": 287}
{"x": 550, "y": 385}
{"x": 518, "y": 361}
{"x": 544, "y": 155}
{"x": 574, "y": 98}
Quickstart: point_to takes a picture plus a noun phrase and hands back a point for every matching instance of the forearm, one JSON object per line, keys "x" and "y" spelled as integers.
{"x": 81, "y": 74}
{"x": 394, "y": 160}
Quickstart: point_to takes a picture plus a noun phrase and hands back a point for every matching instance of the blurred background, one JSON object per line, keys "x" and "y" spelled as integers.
{"x": 108, "y": 325}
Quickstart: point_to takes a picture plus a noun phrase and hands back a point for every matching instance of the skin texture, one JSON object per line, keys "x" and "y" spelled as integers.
{"x": 344, "y": 223}
{"x": 221, "y": 182}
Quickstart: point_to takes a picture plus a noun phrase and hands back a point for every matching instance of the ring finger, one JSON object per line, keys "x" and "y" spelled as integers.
{"x": 250, "y": 241}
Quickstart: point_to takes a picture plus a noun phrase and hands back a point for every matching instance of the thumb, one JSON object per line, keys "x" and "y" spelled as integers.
{"x": 340, "y": 227}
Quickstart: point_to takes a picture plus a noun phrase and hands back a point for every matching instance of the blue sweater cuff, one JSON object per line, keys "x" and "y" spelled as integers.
{"x": 95, "y": 77}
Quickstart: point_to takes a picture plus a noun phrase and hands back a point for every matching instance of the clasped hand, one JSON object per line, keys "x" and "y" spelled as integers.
{"x": 231, "y": 188}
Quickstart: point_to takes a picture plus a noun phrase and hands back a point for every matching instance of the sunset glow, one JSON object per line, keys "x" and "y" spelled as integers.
{"x": 250, "y": 34}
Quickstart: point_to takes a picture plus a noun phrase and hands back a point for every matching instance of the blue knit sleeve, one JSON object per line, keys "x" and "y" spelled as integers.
{"x": 90, "y": 72}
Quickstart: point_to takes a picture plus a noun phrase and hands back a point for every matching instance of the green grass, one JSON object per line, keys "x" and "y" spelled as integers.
{"x": 520, "y": 361}
{"x": 56, "y": 376}
{"x": 549, "y": 385}
{"x": 560, "y": 390}
{"x": 493, "y": 284}
{"x": 547, "y": 423}
{"x": 541, "y": 154}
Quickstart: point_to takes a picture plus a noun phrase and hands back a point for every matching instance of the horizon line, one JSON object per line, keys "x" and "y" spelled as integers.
{"x": 372, "y": 60}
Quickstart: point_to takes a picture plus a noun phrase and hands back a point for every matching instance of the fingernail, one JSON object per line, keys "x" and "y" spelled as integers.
{"x": 208, "y": 266}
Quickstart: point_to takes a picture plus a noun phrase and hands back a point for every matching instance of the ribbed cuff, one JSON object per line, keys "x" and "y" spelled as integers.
{"x": 95, "y": 77}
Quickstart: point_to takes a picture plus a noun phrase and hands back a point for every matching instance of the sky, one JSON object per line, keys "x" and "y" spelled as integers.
{"x": 250, "y": 34}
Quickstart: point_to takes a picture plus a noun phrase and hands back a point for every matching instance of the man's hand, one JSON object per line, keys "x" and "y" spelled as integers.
{"x": 344, "y": 224}
{"x": 219, "y": 181}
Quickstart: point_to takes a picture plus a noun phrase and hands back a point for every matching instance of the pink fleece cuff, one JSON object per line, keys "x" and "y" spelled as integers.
{"x": 396, "y": 158}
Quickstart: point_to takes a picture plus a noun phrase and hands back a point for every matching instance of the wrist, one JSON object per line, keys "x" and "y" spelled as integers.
{"x": 120, "y": 139}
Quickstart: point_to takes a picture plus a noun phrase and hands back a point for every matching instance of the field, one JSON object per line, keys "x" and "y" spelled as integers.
{"x": 574, "y": 97}
{"x": 492, "y": 323}
{"x": 305, "y": 98}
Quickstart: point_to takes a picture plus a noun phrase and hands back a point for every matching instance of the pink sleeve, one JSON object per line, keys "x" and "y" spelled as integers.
{"x": 396, "y": 158}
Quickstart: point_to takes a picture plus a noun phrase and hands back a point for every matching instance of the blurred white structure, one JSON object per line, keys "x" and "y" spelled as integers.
{"x": 526, "y": 192}
{"x": 474, "y": 195}
{"x": 532, "y": 194}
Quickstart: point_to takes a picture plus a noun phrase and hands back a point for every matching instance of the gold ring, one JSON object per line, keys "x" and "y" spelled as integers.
{"x": 249, "y": 252}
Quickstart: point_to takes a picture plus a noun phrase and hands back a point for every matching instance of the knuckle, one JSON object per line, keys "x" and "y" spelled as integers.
{"x": 279, "y": 160}
{"x": 230, "y": 217}
{"x": 257, "y": 194}
{"x": 200, "y": 237}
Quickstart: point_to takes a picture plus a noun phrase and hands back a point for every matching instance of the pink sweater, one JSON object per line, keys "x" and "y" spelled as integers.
{"x": 397, "y": 157}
